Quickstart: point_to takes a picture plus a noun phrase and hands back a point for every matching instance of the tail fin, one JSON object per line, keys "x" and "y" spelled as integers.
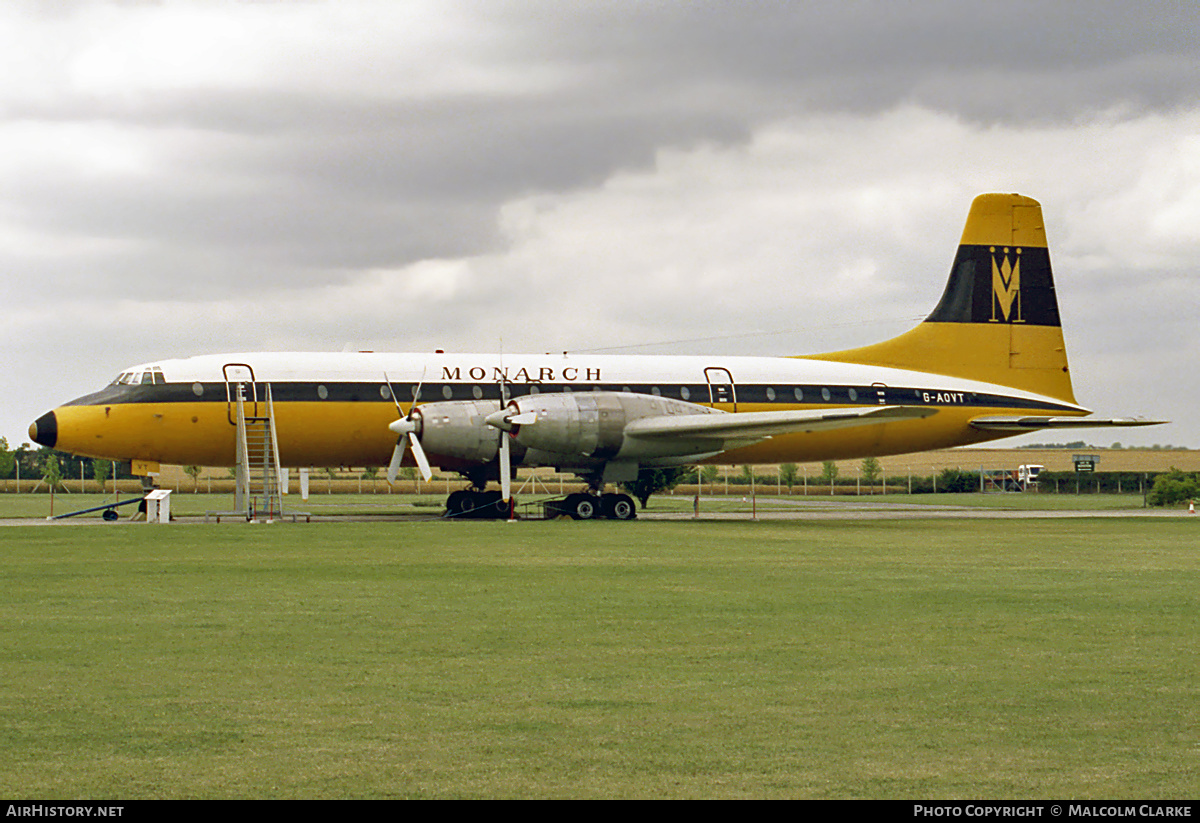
{"x": 998, "y": 319}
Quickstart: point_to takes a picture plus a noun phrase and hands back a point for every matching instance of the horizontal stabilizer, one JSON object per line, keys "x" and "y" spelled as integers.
{"x": 760, "y": 425}
{"x": 1018, "y": 423}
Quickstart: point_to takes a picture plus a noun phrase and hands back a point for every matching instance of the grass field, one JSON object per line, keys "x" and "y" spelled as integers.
{"x": 1052, "y": 658}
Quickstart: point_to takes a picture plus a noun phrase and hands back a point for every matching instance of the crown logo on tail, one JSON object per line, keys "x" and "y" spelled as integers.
{"x": 1006, "y": 286}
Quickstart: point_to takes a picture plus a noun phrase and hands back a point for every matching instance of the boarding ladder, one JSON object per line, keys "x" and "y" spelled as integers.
{"x": 258, "y": 491}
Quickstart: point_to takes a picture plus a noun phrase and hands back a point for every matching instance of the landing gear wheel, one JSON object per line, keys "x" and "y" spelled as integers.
{"x": 458, "y": 503}
{"x": 581, "y": 506}
{"x": 490, "y": 506}
{"x": 473, "y": 505}
{"x": 110, "y": 515}
{"x": 618, "y": 507}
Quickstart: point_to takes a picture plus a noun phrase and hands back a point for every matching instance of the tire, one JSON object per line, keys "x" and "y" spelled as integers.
{"x": 491, "y": 506}
{"x": 581, "y": 506}
{"x": 619, "y": 507}
{"x": 457, "y": 503}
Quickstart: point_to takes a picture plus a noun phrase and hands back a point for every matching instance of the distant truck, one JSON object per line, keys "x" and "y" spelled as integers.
{"x": 1020, "y": 479}
{"x": 1026, "y": 477}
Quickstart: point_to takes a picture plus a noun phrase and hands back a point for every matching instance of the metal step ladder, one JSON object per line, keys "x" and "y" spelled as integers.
{"x": 258, "y": 492}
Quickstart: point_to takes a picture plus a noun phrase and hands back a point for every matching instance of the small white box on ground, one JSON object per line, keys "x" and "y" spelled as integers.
{"x": 158, "y": 506}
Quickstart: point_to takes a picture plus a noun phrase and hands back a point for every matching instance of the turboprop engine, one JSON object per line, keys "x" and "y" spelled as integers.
{"x": 592, "y": 425}
{"x": 458, "y": 429}
{"x": 580, "y": 430}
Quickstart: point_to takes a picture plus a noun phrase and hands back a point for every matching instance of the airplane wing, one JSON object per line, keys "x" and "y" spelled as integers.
{"x": 753, "y": 426}
{"x": 1018, "y": 423}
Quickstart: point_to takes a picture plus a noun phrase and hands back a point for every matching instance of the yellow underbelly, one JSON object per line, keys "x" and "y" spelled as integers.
{"x": 356, "y": 434}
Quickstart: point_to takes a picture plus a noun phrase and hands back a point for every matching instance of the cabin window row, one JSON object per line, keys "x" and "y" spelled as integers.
{"x": 696, "y": 393}
{"x": 703, "y": 393}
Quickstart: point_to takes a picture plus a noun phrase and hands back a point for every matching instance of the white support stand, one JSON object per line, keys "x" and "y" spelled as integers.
{"x": 158, "y": 506}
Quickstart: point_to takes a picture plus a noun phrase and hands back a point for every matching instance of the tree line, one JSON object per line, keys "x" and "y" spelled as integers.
{"x": 29, "y": 463}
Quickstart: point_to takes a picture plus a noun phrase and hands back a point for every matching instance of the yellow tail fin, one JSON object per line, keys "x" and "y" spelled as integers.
{"x": 998, "y": 319}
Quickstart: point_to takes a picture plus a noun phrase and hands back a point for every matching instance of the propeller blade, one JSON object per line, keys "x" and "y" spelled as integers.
{"x": 397, "y": 456}
{"x": 419, "y": 454}
{"x": 392, "y": 394}
{"x": 417, "y": 392}
{"x": 406, "y": 427}
{"x": 505, "y": 469}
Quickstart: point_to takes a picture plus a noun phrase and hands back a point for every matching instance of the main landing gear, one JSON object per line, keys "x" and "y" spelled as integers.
{"x": 473, "y": 504}
{"x": 584, "y": 506}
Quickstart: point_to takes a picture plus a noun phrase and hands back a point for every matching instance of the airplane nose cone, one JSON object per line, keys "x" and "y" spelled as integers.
{"x": 44, "y": 430}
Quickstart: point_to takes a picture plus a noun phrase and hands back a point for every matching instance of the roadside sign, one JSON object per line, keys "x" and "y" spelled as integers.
{"x": 1085, "y": 462}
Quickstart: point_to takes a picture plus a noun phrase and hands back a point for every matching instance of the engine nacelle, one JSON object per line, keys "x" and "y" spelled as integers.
{"x": 592, "y": 424}
{"x": 456, "y": 429}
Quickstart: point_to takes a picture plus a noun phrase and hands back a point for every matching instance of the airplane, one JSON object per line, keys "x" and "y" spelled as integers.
{"x": 989, "y": 362}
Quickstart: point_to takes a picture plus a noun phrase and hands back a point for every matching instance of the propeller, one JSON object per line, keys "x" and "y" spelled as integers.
{"x": 507, "y": 419}
{"x": 407, "y": 427}
{"x": 505, "y": 459}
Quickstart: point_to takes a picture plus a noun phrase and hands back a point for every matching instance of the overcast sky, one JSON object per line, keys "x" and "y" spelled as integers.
{"x": 709, "y": 177}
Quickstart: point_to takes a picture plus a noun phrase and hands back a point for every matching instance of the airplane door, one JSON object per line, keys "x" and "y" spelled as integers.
{"x": 720, "y": 387}
{"x": 239, "y": 377}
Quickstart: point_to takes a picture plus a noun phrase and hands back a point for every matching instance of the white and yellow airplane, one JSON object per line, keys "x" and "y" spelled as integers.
{"x": 989, "y": 362}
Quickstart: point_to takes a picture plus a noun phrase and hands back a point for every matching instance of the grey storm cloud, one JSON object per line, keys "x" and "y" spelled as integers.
{"x": 388, "y": 174}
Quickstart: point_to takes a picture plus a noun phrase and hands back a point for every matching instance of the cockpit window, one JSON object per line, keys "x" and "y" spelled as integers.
{"x": 152, "y": 375}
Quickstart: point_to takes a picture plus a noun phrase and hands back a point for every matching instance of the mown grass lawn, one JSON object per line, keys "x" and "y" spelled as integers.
{"x": 650, "y": 659}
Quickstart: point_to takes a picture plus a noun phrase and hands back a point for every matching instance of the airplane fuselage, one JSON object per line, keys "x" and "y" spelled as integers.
{"x": 334, "y": 408}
